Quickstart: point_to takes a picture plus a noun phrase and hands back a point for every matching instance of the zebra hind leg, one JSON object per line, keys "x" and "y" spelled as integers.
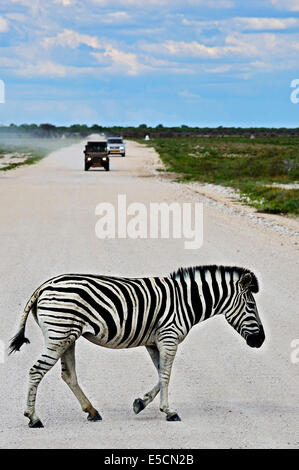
{"x": 140, "y": 403}
{"x": 68, "y": 374}
{"x": 52, "y": 352}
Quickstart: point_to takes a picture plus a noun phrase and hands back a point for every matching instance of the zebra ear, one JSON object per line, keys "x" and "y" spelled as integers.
{"x": 245, "y": 281}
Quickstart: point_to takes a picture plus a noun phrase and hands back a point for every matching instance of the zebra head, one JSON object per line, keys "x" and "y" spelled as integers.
{"x": 243, "y": 316}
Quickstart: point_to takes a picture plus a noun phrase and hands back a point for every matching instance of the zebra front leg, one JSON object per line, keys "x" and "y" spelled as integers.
{"x": 140, "y": 403}
{"x": 68, "y": 374}
{"x": 167, "y": 355}
{"x": 46, "y": 361}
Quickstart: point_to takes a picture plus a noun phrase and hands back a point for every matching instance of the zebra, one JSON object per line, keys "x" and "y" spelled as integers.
{"x": 120, "y": 312}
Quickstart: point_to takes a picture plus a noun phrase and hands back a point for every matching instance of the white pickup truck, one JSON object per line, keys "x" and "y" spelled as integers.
{"x": 116, "y": 145}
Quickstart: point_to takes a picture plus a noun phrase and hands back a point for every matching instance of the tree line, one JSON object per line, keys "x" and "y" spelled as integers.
{"x": 83, "y": 130}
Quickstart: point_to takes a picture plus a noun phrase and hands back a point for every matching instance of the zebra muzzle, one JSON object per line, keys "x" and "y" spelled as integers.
{"x": 257, "y": 339}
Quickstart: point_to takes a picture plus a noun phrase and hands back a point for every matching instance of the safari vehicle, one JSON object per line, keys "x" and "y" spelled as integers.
{"x": 116, "y": 145}
{"x": 96, "y": 155}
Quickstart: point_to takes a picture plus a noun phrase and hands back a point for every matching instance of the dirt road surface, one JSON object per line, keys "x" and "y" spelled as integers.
{"x": 228, "y": 395}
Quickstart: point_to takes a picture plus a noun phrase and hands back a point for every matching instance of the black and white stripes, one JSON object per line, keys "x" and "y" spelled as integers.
{"x": 120, "y": 312}
{"x": 156, "y": 312}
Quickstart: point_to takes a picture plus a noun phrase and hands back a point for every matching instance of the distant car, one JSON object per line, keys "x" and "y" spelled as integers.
{"x": 116, "y": 145}
{"x": 96, "y": 154}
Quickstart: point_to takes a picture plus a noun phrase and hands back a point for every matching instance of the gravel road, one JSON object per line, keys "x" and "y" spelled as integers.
{"x": 228, "y": 395}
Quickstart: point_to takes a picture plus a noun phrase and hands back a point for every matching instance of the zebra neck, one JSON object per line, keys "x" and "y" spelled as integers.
{"x": 194, "y": 304}
{"x": 202, "y": 293}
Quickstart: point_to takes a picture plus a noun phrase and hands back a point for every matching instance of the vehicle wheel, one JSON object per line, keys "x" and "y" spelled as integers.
{"x": 86, "y": 167}
{"x": 123, "y": 154}
{"x": 107, "y": 168}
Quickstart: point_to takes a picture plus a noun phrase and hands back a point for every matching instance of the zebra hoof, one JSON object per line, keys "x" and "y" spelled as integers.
{"x": 96, "y": 417}
{"x": 138, "y": 405}
{"x": 36, "y": 424}
{"x": 173, "y": 417}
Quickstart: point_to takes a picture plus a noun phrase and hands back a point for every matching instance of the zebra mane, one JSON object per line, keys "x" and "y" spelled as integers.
{"x": 186, "y": 272}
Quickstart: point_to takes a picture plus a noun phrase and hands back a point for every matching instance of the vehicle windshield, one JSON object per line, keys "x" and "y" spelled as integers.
{"x": 115, "y": 141}
{"x": 97, "y": 147}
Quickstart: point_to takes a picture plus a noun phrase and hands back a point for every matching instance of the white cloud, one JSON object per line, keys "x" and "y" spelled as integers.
{"x": 3, "y": 25}
{"x": 256, "y": 46}
{"x": 255, "y": 42}
{"x": 244, "y": 24}
{"x": 45, "y": 68}
{"x": 220, "y": 69}
{"x": 69, "y": 38}
{"x": 266, "y": 23}
{"x": 119, "y": 61}
{"x": 125, "y": 60}
{"x": 65, "y": 3}
{"x": 181, "y": 48}
{"x": 290, "y": 5}
{"x": 197, "y": 49}
{"x": 115, "y": 17}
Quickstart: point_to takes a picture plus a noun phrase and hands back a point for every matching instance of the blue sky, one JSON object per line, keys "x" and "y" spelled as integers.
{"x": 128, "y": 62}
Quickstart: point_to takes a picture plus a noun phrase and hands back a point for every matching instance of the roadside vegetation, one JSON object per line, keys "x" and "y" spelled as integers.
{"x": 256, "y": 167}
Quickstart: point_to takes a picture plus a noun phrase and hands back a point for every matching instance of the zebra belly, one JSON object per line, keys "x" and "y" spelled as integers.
{"x": 101, "y": 340}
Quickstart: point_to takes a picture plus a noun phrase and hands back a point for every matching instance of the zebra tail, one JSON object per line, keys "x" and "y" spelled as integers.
{"x": 19, "y": 339}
